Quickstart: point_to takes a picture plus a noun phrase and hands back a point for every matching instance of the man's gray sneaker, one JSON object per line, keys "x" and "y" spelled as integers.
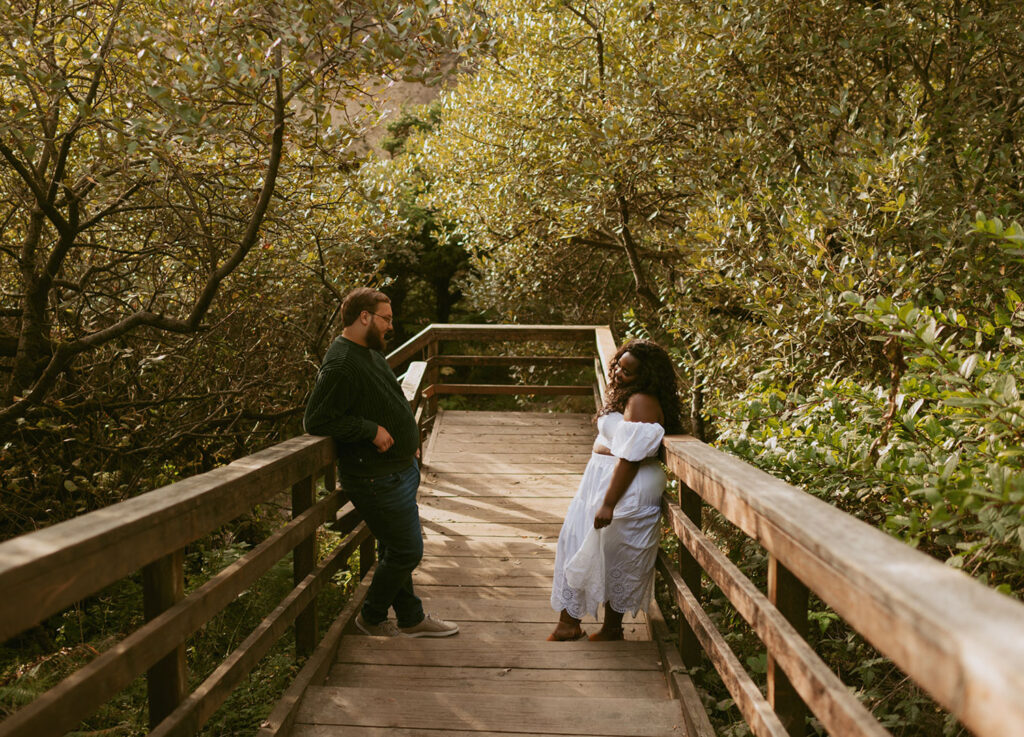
{"x": 387, "y": 628}
{"x": 431, "y": 626}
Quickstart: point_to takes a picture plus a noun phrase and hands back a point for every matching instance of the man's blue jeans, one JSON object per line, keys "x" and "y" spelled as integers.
{"x": 388, "y": 504}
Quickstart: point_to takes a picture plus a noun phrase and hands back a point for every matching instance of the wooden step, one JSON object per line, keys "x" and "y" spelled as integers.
{"x": 465, "y": 609}
{"x": 518, "y": 486}
{"x": 497, "y": 466}
{"x": 456, "y": 651}
{"x": 517, "y": 531}
{"x": 436, "y": 545}
{"x": 392, "y": 708}
{"x": 495, "y": 509}
{"x": 512, "y": 681}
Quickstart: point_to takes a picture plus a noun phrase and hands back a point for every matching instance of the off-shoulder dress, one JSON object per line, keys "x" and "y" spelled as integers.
{"x": 616, "y": 563}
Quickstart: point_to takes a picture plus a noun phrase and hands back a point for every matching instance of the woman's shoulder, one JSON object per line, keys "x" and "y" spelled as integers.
{"x": 642, "y": 407}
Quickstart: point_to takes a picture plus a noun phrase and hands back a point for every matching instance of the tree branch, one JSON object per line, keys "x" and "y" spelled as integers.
{"x": 65, "y": 353}
{"x": 643, "y": 289}
{"x": 37, "y": 192}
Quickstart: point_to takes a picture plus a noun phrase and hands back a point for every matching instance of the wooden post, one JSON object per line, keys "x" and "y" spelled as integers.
{"x": 433, "y": 350}
{"x": 690, "y": 570}
{"x": 303, "y": 562}
{"x": 789, "y": 596}
{"x": 163, "y": 585}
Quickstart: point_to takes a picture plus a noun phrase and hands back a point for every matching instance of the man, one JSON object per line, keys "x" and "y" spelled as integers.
{"x": 358, "y": 402}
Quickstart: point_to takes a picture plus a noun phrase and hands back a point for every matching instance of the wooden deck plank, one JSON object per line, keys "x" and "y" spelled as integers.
{"x": 506, "y": 468}
{"x": 565, "y": 682}
{"x": 538, "y": 559}
{"x": 494, "y": 547}
{"x": 490, "y": 712}
{"x": 533, "y": 434}
{"x": 471, "y": 485}
{"x": 431, "y": 591}
{"x": 497, "y": 633}
{"x": 459, "y": 418}
{"x": 326, "y": 730}
{"x": 515, "y": 654}
{"x": 482, "y": 577}
{"x": 525, "y": 530}
{"x": 545, "y": 507}
{"x": 552, "y": 512}
{"x": 440, "y": 565}
{"x": 582, "y": 444}
{"x": 512, "y": 455}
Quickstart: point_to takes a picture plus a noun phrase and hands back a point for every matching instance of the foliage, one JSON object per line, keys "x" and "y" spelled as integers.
{"x": 749, "y": 168}
{"x": 172, "y": 174}
{"x": 783, "y": 192}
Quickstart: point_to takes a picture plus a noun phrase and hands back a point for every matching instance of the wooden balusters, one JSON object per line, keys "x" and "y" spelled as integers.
{"x": 163, "y": 586}
{"x": 690, "y": 570}
{"x": 303, "y": 562}
{"x": 433, "y": 377}
{"x": 790, "y": 597}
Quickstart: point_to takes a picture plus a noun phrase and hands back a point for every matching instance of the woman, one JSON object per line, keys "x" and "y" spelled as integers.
{"x": 609, "y": 540}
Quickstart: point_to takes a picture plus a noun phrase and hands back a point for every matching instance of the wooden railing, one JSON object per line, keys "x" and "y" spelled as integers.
{"x": 960, "y": 641}
{"x": 45, "y": 572}
{"x": 426, "y": 357}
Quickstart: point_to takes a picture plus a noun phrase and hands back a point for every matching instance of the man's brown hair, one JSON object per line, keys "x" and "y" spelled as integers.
{"x": 359, "y": 299}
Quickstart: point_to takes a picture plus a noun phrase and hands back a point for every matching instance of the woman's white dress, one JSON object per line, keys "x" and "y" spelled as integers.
{"x": 616, "y": 563}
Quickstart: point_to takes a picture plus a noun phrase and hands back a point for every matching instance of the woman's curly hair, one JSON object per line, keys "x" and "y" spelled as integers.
{"x": 656, "y": 377}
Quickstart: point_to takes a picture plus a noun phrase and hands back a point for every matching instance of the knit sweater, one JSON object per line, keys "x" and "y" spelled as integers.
{"x": 355, "y": 392}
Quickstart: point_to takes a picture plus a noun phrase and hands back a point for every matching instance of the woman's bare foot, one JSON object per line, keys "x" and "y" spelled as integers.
{"x": 567, "y": 629}
{"x": 611, "y": 628}
{"x": 566, "y": 633}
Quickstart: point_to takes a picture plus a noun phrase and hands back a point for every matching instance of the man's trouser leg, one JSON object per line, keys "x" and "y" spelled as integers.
{"x": 388, "y": 504}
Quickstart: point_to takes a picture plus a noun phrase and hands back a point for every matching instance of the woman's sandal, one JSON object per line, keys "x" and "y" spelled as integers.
{"x": 578, "y": 636}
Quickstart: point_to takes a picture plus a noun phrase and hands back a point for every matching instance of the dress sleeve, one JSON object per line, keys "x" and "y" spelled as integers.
{"x": 634, "y": 441}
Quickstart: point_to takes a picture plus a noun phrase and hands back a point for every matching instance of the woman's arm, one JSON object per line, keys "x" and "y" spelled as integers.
{"x": 639, "y": 408}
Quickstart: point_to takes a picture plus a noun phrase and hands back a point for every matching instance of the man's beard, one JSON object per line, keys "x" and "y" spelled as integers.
{"x": 378, "y": 339}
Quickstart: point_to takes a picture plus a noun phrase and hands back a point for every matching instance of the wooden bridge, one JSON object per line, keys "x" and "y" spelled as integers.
{"x": 494, "y": 491}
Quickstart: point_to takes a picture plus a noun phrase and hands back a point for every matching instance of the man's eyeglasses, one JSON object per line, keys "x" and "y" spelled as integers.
{"x": 389, "y": 319}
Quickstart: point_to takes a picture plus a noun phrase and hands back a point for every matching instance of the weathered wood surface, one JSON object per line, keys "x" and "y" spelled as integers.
{"x": 960, "y": 641}
{"x": 837, "y": 708}
{"x": 557, "y": 390}
{"x": 434, "y": 334}
{"x": 450, "y": 360}
{"x": 489, "y": 556}
{"x": 62, "y": 707}
{"x": 48, "y": 570}
{"x": 491, "y": 712}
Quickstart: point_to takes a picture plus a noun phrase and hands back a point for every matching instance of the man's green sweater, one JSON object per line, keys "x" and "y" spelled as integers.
{"x": 355, "y": 392}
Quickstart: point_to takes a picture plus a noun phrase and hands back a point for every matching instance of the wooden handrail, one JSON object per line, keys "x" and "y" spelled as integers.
{"x": 960, "y": 641}
{"x": 421, "y": 381}
{"x": 50, "y": 569}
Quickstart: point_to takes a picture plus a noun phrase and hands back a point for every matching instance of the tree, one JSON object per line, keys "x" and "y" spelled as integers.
{"x": 165, "y": 168}
{"x": 145, "y": 143}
